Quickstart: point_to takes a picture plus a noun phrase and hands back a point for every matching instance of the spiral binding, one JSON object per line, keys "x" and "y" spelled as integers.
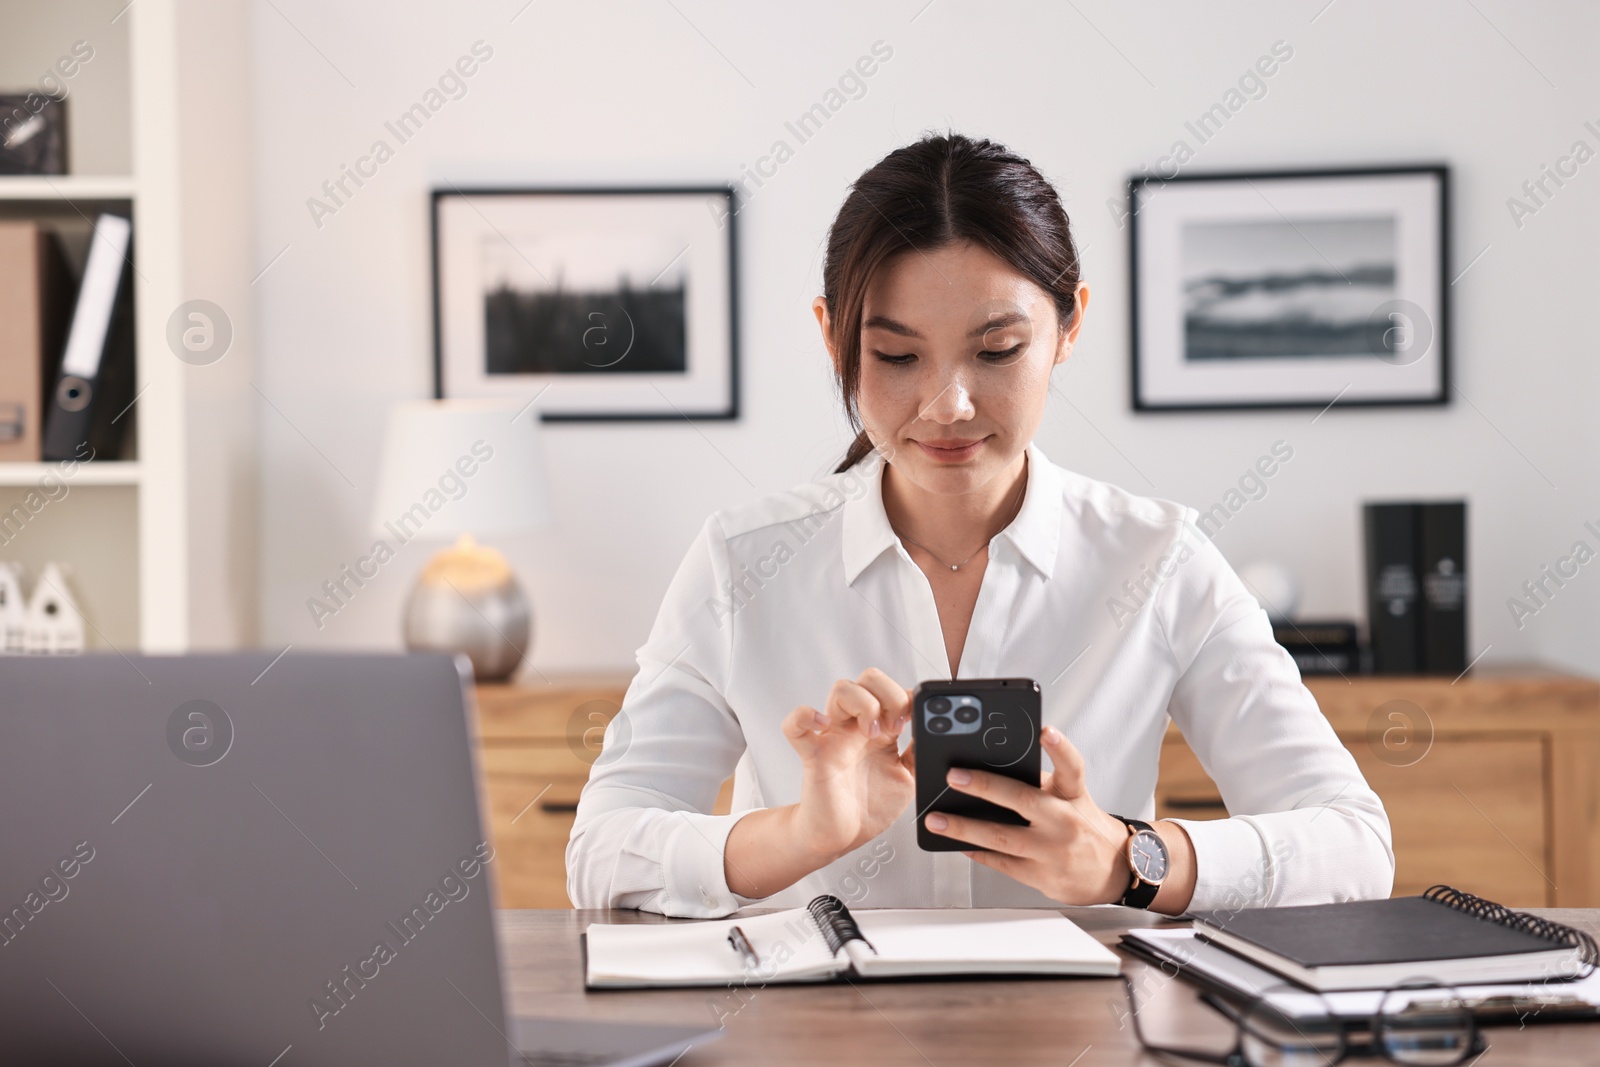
{"x": 1500, "y": 915}
{"x": 838, "y": 926}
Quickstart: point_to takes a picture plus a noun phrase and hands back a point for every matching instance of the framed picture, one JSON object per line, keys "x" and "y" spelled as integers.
{"x": 1290, "y": 289}
{"x": 33, "y": 133}
{"x": 593, "y": 304}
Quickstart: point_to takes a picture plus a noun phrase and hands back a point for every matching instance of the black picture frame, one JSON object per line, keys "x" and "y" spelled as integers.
{"x": 727, "y": 408}
{"x": 1140, "y": 299}
{"x": 44, "y": 148}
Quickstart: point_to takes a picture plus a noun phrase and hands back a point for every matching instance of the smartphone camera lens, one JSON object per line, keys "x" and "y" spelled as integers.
{"x": 966, "y": 713}
{"x": 939, "y": 724}
{"x": 938, "y": 705}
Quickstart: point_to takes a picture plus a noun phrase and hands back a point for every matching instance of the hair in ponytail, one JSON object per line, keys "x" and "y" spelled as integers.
{"x": 944, "y": 189}
{"x": 857, "y": 451}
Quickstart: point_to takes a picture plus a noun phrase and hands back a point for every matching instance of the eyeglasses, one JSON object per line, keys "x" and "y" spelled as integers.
{"x": 1418, "y": 1023}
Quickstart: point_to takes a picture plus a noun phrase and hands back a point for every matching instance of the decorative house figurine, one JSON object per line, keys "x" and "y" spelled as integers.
{"x": 13, "y": 610}
{"x": 54, "y": 623}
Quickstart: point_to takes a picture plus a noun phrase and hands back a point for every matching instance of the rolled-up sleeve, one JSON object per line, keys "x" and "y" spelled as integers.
{"x": 1303, "y": 827}
{"x": 643, "y": 837}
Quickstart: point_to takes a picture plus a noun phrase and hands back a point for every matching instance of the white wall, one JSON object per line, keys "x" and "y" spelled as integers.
{"x": 651, "y": 93}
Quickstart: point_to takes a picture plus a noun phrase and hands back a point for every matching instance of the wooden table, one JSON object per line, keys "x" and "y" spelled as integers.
{"x": 1079, "y": 1022}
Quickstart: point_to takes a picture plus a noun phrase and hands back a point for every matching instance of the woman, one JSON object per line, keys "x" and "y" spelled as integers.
{"x": 947, "y": 546}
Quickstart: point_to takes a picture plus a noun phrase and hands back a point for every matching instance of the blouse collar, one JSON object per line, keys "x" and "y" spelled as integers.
{"x": 1035, "y": 532}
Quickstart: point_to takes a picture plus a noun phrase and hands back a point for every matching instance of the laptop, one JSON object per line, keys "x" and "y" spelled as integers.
{"x": 233, "y": 858}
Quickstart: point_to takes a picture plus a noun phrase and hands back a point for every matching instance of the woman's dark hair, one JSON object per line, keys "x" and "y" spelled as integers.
{"x": 942, "y": 190}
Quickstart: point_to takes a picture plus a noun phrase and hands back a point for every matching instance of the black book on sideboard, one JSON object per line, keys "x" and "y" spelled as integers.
{"x": 1417, "y": 586}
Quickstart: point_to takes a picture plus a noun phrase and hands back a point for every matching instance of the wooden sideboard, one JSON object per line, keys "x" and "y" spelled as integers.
{"x": 533, "y": 773}
{"x": 1492, "y": 783}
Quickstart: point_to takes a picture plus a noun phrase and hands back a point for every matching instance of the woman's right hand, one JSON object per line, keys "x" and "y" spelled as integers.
{"x": 854, "y": 780}
{"x": 853, "y": 783}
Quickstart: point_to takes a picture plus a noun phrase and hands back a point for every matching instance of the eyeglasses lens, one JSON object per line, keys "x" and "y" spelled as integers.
{"x": 1428, "y": 1027}
{"x": 1271, "y": 1039}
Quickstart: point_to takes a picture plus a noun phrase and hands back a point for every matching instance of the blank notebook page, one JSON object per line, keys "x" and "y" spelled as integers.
{"x": 977, "y": 941}
{"x": 696, "y": 953}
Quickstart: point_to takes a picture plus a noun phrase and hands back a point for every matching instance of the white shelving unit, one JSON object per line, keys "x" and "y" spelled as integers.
{"x": 115, "y": 472}
{"x": 67, "y": 187}
{"x": 161, "y": 546}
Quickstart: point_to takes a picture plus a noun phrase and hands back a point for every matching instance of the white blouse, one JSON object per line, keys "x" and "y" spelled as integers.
{"x": 1117, "y": 605}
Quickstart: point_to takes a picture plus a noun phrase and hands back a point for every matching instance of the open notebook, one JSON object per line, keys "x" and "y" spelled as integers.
{"x": 825, "y": 939}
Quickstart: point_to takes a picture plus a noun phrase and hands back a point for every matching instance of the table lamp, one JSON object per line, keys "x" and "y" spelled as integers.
{"x": 459, "y": 470}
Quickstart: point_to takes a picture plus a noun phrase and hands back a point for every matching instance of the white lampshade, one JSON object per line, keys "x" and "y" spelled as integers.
{"x": 453, "y": 467}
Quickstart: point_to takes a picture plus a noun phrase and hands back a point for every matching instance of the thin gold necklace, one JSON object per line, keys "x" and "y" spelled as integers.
{"x": 980, "y": 548}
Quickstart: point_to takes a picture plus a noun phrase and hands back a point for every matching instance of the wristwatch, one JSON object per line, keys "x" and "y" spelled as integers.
{"x": 1148, "y": 863}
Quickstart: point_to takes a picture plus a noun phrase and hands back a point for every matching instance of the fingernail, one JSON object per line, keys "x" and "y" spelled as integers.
{"x": 1052, "y": 736}
{"x": 874, "y": 730}
{"x": 957, "y": 776}
{"x": 937, "y": 822}
{"x": 822, "y": 718}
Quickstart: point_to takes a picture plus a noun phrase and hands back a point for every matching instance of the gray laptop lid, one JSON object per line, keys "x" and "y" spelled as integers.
{"x": 220, "y": 859}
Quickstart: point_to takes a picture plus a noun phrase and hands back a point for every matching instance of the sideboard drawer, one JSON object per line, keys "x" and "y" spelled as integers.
{"x": 1470, "y": 813}
{"x": 530, "y": 820}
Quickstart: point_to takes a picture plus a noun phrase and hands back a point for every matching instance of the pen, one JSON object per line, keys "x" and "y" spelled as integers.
{"x": 741, "y": 945}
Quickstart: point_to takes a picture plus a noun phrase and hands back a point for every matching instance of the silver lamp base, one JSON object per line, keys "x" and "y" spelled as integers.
{"x": 467, "y": 600}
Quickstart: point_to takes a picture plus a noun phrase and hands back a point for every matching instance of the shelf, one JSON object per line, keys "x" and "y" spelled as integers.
{"x": 103, "y": 472}
{"x": 164, "y": 545}
{"x": 66, "y": 187}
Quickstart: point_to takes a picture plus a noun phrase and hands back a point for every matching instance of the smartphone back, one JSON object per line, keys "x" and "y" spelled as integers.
{"x": 988, "y": 724}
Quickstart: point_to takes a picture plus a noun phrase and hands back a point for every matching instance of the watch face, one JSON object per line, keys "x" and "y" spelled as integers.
{"x": 1148, "y": 854}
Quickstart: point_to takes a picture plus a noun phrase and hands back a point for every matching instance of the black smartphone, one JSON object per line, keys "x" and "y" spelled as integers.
{"x": 987, "y": 724}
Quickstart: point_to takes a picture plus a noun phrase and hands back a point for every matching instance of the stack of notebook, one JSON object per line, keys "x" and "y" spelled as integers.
{"x": 1445, "y": 937}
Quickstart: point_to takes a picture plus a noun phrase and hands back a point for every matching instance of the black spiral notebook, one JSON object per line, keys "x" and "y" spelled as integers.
{"x": 1445, "y": 934}
{"x": 825, "y": 940}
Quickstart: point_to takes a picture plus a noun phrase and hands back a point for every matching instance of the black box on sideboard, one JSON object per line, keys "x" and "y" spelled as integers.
{"x": 1320, "y": 647}
{"x": 1416, "y": 576}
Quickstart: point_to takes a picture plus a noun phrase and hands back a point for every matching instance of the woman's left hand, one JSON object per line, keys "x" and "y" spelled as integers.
{"x": 1071, "y": 851}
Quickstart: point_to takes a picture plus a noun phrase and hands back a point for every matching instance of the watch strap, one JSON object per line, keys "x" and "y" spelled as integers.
{"x": 1140, "y": 894}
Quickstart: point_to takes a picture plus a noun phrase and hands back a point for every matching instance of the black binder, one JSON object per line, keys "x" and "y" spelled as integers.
{"x": 1393, "y": 588}
{"x": 1417, "y": 587}
{"x": 92, "y": 382}
{"x": 1442, "y": 547}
